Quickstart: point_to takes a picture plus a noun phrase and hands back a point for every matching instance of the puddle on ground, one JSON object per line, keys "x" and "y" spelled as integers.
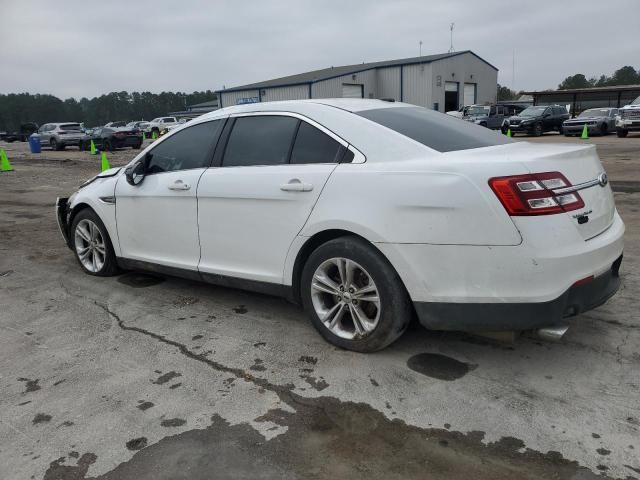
{"x": 439, "y": 366}
{"x": 139, "y": 280}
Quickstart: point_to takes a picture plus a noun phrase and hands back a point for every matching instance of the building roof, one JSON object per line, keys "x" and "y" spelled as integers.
{"x": 210, "y": 103}
{"x": 333, "y": 72}
{"x": 613, "y": 88}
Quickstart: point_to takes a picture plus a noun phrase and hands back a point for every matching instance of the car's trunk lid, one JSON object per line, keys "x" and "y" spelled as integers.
{"x": 581, "y": 165}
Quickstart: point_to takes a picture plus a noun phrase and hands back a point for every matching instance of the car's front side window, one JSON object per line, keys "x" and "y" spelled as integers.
{"x": 260, "y": 140}
{"x": 187, "y": 149}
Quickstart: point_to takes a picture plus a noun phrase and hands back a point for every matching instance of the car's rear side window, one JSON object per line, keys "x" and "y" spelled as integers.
{"x": 70, "y": 126}
{"x": 313, "y": 146}
{"x": 260, "y": 140}
{"x": 441, "y": 132}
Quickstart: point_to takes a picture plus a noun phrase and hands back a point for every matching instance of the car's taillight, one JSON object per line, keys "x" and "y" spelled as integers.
{"x": 532, "y": 194}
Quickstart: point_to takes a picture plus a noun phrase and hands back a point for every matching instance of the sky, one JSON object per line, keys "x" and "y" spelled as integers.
{"x": 72, "y": 48}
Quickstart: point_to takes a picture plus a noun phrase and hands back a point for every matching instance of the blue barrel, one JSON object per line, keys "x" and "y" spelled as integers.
{"x": 34, "y": 143}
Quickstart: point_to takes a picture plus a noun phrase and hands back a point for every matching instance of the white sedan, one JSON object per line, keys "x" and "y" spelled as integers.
{"x": 366, "y": 212}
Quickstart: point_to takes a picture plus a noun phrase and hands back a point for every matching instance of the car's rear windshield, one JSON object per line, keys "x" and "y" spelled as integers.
{"x": 441, "y": 132}
{"x": 70, "y": 126}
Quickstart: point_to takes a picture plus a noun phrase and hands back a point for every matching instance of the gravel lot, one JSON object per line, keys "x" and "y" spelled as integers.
{"x": 140, "y": 377}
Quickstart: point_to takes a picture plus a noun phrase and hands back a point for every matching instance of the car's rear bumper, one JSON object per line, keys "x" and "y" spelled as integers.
{"x": 520, "y": 316}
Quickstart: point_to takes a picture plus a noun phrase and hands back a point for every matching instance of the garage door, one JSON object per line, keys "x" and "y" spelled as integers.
{"x": 351, "y": 90}
{"x": 469, "y": 94}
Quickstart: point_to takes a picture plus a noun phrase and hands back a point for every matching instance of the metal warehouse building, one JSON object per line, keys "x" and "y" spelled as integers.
{"x": 442, "y": 82}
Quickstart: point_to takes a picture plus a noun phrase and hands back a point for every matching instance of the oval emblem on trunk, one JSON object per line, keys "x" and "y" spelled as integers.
{"x": 603, "y": 179}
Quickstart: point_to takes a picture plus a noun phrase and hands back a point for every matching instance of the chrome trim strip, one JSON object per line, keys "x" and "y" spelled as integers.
{"x": 575, "y": 188}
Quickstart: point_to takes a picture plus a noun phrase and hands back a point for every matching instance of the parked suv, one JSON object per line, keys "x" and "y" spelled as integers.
{"x": 491, "y": 116}
{"x": 628, "y": 118}
{"x": 539, "y": 119}
{"x": 61, "y": 135}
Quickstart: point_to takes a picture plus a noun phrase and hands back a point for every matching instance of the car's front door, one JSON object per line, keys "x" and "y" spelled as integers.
{"x": 254, "y": 203}
{"x": 44, "y": 134}
{"x": 157, "y": 219}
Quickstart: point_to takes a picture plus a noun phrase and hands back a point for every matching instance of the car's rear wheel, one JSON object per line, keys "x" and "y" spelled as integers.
{"x": 91, "y": 245}
{"x": 621, "y": 132}
{"x": 136, "y": 146}
{"x": 53, "y": 143}
{"x": 107, "y": 145}
{"x": 354, "y": 297}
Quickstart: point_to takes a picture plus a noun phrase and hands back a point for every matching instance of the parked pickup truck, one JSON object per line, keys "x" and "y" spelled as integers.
{"x": 628, "y": 118}
{"x": 160, "y": 125}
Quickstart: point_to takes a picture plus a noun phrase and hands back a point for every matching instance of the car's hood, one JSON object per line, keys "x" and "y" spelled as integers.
{"x": 584, "y": 119}
{"x": 518, "y": 117}
{"x": 112, "y": 172}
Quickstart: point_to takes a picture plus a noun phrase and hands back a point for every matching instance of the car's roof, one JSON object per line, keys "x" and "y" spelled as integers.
{"x": 301, "y": 106}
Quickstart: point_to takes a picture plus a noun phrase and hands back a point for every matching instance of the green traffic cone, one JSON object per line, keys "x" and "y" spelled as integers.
{"x": 509, "y": 132}
{"x": 585, "y": 132}
{"x": 144, "y": 137}
{"x": 93, "y": 148}
{"x": 154, "y": 135}
{"x": 5, "y": 166}
{"x": 105, "y": 162}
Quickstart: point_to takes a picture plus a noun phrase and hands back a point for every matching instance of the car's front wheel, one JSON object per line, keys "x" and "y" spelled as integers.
{"x": 354, "y": 297}
{"x": 537, "y": 130}
{"x": 92, "y": 245}
{"x": 621, "y": 132}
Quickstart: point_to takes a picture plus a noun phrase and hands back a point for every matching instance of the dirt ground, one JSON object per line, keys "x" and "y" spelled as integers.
{"x": 143, "y": 377}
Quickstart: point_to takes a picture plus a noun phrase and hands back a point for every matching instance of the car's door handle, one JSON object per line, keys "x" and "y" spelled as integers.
{"x": 179, "y": 185}
{"x": 295, "y": 185}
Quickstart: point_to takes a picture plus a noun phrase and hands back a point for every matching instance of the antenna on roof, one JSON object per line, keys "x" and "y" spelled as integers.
{"x": 451, "y": 28}
{"x": 420, "y": 42}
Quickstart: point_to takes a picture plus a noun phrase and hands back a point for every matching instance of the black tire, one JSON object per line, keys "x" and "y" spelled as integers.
{"x": 504, "y": 129}
{"x": 110, "y": 266}
{"x": 483, "y": 124}
{"x": 604, "y": 131}
{"x": 82, "y": 146}
{"x": 621, "y": 132}
{"x": 537, "y": 130}
{"x": 560, "y": 129}
{"x": 107, "y": 145}
{"x": 395, "y": 305}
{"x": 54, "y": 145}
{"x": 137, "y": 146}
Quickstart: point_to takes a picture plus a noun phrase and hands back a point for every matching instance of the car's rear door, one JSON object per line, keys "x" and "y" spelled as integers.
{"x": 254, "y": 203}
{"x": 157, "y": 219}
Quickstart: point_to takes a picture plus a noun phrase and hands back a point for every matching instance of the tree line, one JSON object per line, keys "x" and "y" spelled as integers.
{"x": 17, "y": 108}
{"x": 626, "y": 75}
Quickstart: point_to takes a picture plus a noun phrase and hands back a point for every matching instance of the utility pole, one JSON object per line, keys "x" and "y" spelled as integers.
{"x": 420, "y": 42}
{"x": 451, "y": 28}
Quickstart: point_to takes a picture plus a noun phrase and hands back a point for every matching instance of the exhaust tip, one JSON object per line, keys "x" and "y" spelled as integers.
{"x": 552, "y": 334}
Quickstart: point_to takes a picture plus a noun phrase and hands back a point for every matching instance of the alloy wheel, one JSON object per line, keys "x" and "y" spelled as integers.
{"x": 90, "y": 245}
{"x": 345, "y": 298}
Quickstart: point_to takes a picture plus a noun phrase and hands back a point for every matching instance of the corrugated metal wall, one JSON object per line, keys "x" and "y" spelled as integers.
{"x": 332, "y": 88}
{"x": 296, "y": 92}
{"x": 388, "y": 80}
{"x": 231, "y": 98}
{"x": 466, "y": 68}
{"x": 416, "y": 84}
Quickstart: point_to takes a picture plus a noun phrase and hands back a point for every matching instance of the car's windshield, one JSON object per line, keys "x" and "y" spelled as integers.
{"x": 636, "y": 101}
{"x": 478, "y": 110}
{"x": 595, "y": 112}
{"x": 532, "y": 111}
{"x": 443, "y": 133}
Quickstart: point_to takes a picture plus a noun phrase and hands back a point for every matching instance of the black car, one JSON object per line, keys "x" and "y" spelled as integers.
{"x": 112, "y": 138}
{"x": 539, "y": 119}
{"x": 26, "y": 129}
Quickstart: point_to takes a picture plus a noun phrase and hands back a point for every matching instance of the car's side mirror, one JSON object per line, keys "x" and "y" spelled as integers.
{"x": 135, "y": 173}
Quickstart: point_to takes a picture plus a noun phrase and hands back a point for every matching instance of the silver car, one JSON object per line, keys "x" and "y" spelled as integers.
{"x": 599, "y": 121}
{"x": 60, "y": 135}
